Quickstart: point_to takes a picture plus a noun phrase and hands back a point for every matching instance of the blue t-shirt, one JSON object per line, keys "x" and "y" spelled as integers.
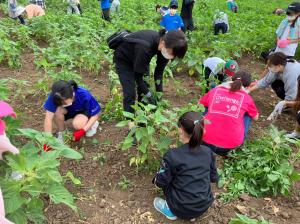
{"x": 84, "y": 102}
{"x": 105, "y": 4}
{"x": 172, "y": 22}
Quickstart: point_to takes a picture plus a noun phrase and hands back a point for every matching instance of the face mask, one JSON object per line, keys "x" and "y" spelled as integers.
{"x": 166, "y": 54}
{"x": 67, "y": 105}
{"x": 272, "y": 70}
{"x": 291, "y": 18}
{"x": 173, "y": 11}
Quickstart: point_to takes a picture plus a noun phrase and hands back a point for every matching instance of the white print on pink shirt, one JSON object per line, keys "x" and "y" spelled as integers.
{"x": 227, "y": 103}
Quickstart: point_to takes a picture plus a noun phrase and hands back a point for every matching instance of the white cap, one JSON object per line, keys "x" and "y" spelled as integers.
{"x": 19, "y": 10}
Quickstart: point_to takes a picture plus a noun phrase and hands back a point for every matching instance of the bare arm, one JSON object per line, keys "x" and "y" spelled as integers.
{"x": 48, "y": 122}
{"x": 90, "y": 122}
{"x": 256, "y": 117}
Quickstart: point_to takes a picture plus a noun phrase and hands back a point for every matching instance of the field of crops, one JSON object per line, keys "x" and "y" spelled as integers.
{"x": 105, "y": 179}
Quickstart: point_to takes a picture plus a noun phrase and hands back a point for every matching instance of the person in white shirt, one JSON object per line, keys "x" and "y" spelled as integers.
{"x": 216, "y": 69}
{"x": 288, "y": 32}
{"x": 221, "y": 22}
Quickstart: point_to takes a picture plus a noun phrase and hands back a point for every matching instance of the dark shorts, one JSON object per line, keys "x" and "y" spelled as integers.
{"x": 71, "y": 116}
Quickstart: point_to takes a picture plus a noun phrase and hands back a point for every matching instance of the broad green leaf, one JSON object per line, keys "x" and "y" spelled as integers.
{"x": 75, "y": 180}
{"x": 59, "y": 194}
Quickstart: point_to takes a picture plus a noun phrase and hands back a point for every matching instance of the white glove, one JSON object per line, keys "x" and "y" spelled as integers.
{"x": 277, "y": 110}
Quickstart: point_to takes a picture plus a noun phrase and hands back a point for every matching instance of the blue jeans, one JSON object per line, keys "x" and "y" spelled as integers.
{"x": 224, "y": 151}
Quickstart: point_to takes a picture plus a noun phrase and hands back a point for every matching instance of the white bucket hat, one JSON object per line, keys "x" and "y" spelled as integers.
{"x": 19, "y": 10}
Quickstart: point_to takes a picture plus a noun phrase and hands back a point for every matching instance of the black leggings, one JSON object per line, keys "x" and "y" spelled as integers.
{"x": 105, "y": 14}
{"x": 129, "y": 82}
{"x": 278, "y": 87}
{"x": 21, "y": 18}
{"x": 221, "y": 27}
{"x": 207, "y": 73}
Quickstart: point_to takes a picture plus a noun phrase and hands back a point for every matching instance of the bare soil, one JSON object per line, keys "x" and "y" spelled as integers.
{"x": 99, "y": 199}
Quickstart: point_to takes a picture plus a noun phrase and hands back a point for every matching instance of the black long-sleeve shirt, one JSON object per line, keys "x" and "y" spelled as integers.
{"x": 187, "y": 9}
{"x": 139, "y": 55}
{"x": 185, "y": 176}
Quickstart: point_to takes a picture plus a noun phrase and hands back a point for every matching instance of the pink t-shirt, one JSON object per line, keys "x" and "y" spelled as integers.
{"x": 226, "y": 112}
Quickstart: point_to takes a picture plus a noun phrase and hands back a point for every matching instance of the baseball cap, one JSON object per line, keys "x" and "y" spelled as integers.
{"x": 293, "y": 8}
{"x": 174, "y": 3}
{"x": 231, "y": 67}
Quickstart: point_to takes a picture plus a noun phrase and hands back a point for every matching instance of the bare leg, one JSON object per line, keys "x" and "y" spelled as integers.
{"x": 59, "y": 118}
{"x": 80, "y": 121}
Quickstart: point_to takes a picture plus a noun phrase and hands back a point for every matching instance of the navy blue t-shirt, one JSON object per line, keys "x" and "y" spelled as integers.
{"x": 84, "y": 102}
{"x": 172, "y": 22}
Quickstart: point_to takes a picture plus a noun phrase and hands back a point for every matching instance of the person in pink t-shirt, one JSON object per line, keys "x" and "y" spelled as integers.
{"x": 229, "y": 112}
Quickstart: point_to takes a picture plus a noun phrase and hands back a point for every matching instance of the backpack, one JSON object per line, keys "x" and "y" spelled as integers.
{"x": 115, "y": 40}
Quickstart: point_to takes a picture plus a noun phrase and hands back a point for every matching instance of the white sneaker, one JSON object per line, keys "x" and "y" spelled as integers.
{"x": 93, "y": 130}
{"x": 294, "y": 135}
{"x": 60, "y": 137}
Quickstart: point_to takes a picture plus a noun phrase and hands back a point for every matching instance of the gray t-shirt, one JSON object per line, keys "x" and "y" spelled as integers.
{"x": 289, "y": 77}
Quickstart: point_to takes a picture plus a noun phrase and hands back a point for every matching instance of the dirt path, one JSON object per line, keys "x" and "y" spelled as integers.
{"x": 100, "y": 199}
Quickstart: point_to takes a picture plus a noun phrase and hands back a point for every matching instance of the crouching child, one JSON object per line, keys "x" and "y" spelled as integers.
{"x": 186, "y": 173}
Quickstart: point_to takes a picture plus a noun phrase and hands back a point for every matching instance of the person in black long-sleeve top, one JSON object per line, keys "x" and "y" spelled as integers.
{"x": 187, "y": 14}
{"x": 186, "y": 173}
{"x": 132, "y": 60}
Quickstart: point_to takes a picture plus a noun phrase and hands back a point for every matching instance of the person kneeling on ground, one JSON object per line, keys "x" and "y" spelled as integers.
{"x": 69, "y": 101}
{"x": 30, "y": 11}
{"x": 217, "y": 68}
{"x": 230, "y": 110}
{"x": 220, "y": 22}
{"x": 282, "y": 76}
{"x": 186, "y": 173}
{"x": 295, "y": 104}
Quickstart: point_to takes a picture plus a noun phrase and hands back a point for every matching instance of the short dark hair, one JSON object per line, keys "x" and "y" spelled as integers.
{"x": 175, "y": 40}
{"x": 193, "y": 124}
{"x": 62, "y": 90}
{"x": 277, "y": 58}
{"x": 241, "y": 78}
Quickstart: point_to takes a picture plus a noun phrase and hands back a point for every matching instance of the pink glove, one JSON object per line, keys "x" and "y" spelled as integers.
{"x": 6, "y": 146}
{"x": 283, "y": 43}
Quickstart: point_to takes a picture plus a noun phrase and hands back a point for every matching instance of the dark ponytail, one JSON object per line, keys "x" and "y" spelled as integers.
{"x": 241, "y": 78}
{"x": 175, "y": 40}
{"x": 193, "y": 124}
{"x": 62, "y": 90}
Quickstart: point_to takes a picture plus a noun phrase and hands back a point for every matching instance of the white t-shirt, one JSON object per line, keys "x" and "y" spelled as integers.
{"x": 215, "y": 64}
{"x": 290, "y": 49}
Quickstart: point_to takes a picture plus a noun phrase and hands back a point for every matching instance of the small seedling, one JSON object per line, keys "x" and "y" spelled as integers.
{"x": 101, "y": 158}
{"x": 124, "y": 183}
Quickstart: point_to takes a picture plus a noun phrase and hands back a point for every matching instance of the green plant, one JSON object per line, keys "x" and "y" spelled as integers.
{"x": 242, "y": 219}
{"x": 100, "y": 158}
{"x": 263, "y": 166}
{"x": 38, "y": 176}
{"x": 4, "y": 91}
{"x": 124, "y": 183}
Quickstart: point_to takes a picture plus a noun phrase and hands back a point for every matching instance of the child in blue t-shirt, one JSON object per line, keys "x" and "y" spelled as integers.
{"x": 69, "y": 101}
{"x": 172, "y": 21}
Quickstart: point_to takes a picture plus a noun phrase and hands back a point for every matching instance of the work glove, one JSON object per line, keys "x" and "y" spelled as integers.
{"x": 150, "y": 99}
{"x": 78, "y": 134}
{"x": 277, "y": 110}
{"x": 283, "y": 43}
{"x": 46, "y": 148}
